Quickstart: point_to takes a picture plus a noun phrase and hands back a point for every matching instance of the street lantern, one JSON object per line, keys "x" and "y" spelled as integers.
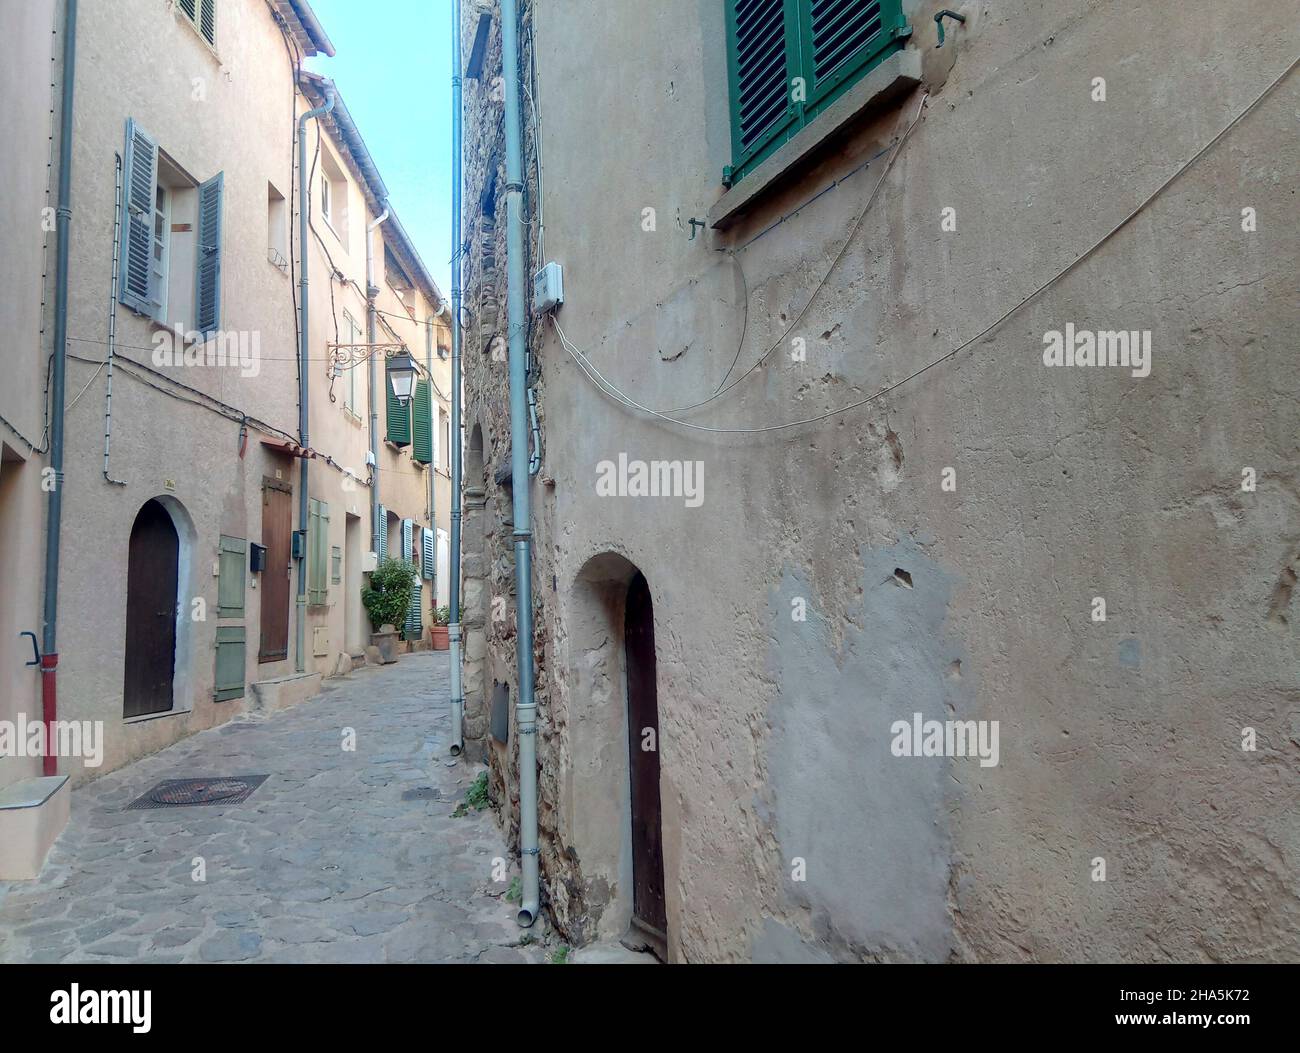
{"x": 401, "y": 374}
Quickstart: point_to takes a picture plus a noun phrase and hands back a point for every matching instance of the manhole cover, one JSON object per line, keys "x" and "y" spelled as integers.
{"x": 422, "y": 793}
{"x": 184, "y": 793}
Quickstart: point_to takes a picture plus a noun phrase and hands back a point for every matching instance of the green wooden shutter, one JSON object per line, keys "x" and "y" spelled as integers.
{"x": 207, "y": 282}
{"x": 422, "y": 423}
{"x": 414, "y": 625}
{"x": 139, "y": 187}
{"x": 840, "y": 41}
{"x": 427, "y": 554}
{"x": 207, "y": 21}
{"x": 318, "y": 552}
{"x": 232, "y": 563}
{"x": 399, "y": 416}
{"x": 229, "y": 681}
{"x": 408, "y": 538}
{"x": 189, "y": 7}
{"x": 762, "y": 52}
{"x": 381, "y": 539}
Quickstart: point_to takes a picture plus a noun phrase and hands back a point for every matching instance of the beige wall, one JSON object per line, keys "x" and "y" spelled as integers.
{"x": 1119, "y": 739}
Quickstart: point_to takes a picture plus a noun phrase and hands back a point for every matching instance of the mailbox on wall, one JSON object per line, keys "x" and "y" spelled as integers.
{"x": 256, "y": 557}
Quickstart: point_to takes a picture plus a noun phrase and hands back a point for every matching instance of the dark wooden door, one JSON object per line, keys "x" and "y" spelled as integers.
{"x": 277, "y": 530}
{"x": 152, "y": 565}
{"x": 643, "y": 730}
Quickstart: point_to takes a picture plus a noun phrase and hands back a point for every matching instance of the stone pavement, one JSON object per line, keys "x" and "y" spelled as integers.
{"x": 338, "y": 857}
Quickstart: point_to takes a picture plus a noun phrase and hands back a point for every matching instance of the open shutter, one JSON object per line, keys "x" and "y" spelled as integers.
{"x": 207, "y": 283}
{"x": 426, "y": 554}
{"x": 231, "y": 646}
{"x": 839, "y": 38}
{"x": 408, "y": 538}
{"x": 230, "y": 580}
{"x": 422, "y": 423}
{"x": 399, "y": 416}
{"x": 762, "y": 50}
{"x": 208, "y": 20}
{"x": 414, "y": 615}
{"x": 140, "y": 168}
{"x": 381, "y": 538}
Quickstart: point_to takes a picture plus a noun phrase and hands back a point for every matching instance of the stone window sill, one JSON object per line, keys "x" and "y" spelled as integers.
{"x": 893, "y": 78}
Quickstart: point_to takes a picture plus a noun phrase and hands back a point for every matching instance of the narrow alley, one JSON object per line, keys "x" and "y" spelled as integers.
{"x": 340, "y": 855}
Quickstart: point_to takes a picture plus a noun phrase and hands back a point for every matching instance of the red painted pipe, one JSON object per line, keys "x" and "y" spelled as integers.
{"x": 49, "y": 706}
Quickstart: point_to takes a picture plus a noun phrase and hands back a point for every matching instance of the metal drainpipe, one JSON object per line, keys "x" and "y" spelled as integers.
{"x": 516, "y": 287}
{"x": 58, "y": 384}
{"x": 304, "y": 373}
{"x": 453, "y": 592}
{"x": 372, "y": 290}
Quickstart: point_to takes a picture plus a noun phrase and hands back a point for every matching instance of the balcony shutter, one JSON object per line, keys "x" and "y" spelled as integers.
{"x": 140, "y": 174}
{"x": 422, "y": 424}
{"x": 399, "y": 416}
{"x": 426, "y": 554}
{"x": 232, "y": 563}
{"x": 229, "y": 679}
{"x": 207, "y": 285}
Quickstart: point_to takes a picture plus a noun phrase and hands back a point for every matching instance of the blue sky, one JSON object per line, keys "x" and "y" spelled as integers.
{"x": 393, "y": 68}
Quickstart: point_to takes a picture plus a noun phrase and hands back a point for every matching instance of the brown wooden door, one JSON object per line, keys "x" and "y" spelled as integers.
{"x": 152, "y": 566}
{"x": 277, "y": 530}
{"x": 643, "y": 728}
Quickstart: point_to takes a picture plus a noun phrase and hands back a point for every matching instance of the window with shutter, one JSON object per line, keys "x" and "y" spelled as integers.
{"x": 408, "y": 538}
{"x": 231, "y": 565}
{"x": 336, "y": 565}
{"x": 229, "y": 679}
{"x": 207, "y": 282}
{"x": 426, "y": 554}
{"x": 140, "y": 178}
{"x": 381, "y": 538}
{"x": 202, "y": 14}
{"x": 399, "y": 416}
{"x": 414, "y": 625}
{"x": 422, "y": 424}
{"x": 790, "y": 59}
{"x": 318, "y": 552}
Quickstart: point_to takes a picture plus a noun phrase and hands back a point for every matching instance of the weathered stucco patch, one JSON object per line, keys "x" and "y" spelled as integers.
{"x": 872, "y": 828}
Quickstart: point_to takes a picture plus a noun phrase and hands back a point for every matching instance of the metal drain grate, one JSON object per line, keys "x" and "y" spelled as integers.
{"x": 422, "y": 793}
{"x": 187, "y": 793}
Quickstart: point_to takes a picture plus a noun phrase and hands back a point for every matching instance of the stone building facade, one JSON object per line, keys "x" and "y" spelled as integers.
{"x": 1095, "y": 564}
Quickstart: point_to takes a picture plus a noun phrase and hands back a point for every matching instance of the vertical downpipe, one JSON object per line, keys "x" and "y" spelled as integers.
{"x": 516, "y": 287}
{"x": 304, "y": 374}
{"x": 58, "y": 385}
{"x": 453, "y": 597}
{"x": 372, "y": 290}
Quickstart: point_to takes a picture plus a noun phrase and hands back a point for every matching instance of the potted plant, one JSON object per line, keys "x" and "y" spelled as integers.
{"x": 387, "y": 600}
{"x": 438, "y": 632}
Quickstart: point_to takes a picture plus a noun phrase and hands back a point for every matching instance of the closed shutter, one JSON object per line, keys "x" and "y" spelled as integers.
{"x": 381, "y": 538}
{"x": 414, "y": 615}
{"x": 229, "y": 680}
{"x": 336, "y": 565}
{"x": 399, "y": 416}
{"x": 422, "y": 423}
{"x": 761, "y": 53}
{"x": 426, "y": 554}
{"x": 208, "y": 20}
{"x": 190, "y": 8}
{"x": 408, "y": 538}
{"x": 207, "y": 284}
{"x": 839, "y": 38}
{"x": 318, "y": 552}
{"x": 140, "y": 166}
{"x": 230, "y": 580}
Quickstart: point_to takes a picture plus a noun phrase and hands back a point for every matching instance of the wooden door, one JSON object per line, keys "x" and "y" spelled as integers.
{"x": 643, "y": 730}
{"x": 152, "y": 566}
{"x": 277, "y": 536}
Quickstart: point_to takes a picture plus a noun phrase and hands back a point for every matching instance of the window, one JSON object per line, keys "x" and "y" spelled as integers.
{"x": 202, "y": 15}
{"x": 788, "y": 60}
{"x": 334, "y": 196}
{"x": 171, "y": 238}
{"x": 351, "y": 335}
{"x": 422, "y": 423}
{"x": 277, "y": 228}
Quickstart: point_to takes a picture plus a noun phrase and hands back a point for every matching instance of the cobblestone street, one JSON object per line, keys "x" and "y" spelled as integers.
{"x": 337, "y": 857}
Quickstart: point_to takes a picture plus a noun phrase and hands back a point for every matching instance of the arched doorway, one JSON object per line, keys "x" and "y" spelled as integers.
{"x": 649, "y": 913}
{"x": 151, "y": 591}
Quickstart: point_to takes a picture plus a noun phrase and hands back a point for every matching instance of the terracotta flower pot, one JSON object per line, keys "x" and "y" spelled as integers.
{"x": 438, "y": 637}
